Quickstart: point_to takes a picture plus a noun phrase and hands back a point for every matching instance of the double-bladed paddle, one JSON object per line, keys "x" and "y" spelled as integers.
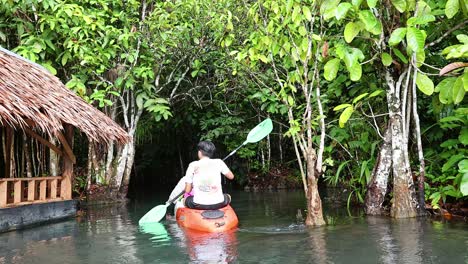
{"x": 255, "y": 135}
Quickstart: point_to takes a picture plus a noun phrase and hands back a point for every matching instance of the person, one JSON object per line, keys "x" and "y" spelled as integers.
{"x": 203, "y": 180}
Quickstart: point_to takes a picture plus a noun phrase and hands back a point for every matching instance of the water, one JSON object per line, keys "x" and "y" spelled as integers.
{"x": 268, "y": 233}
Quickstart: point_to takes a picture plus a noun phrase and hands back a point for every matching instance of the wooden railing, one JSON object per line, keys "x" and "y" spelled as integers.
{"x": 21, "y": 191}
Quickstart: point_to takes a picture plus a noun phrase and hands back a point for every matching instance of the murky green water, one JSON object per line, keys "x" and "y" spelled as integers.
{"x": 268, "y": 233}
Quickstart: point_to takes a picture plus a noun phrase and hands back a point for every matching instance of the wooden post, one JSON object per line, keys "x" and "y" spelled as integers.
{"x": 53, "y": 189}
{"x": 66, "y": 185}
{"x": 18, "y": 192}
{"x": 3, "y": 193}
{"x": 8, "y": 142}
{"x": 42, "y": 189}
{"x": 43, "y": 141}
{"x": 31, "y": 190}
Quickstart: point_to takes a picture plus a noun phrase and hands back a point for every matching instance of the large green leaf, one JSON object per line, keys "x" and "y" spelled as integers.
{"x": 397, "y": 36}
{"x": 464, "y": 184}
{"x": 371, "y": 23}
{"x": 342, "y": 10}
{"x": 415, "y": 39}
{"x": 424, "y": 84}
{"x": 328, "y": 8}
{"x": 356, "y": 3}
{"x": 355, "y": 71}
{"x": 400, "y": 5}
{"x": 351, "y": 59}
{"x": 465, "y": 81}
{"x": 451, "y": 8}
{"x": 386, "y": 59}
{"x": 420, "y": 57}
{"x": 344, "y": 117}
{"x": 445, "y": 95}
{"x": 341, "y": 106}
{"x": 446, "y": 83}
{"x": 400, "y": 55}
{"x": 331, "y": 69}
{"x": 376, "y": 93}
{"x": 463, "y": 137}
{"x": 458, "y": 92}
{"x": 371, "y": 3}
{"x": 420, "y": 20}
{"x": 451, "y": 161}
{"x": 307, "y": 13}
{"x": 359, "y": 97}
{"x": 351, "y": 30}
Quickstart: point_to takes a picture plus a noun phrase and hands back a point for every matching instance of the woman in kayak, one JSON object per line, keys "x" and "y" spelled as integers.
{"x": 202, "y": 179}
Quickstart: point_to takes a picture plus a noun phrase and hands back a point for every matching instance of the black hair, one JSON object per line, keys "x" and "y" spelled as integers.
{"x": 207, "y": 148}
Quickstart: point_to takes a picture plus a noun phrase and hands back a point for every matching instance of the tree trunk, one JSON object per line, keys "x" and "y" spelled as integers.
{"x": 268, "y": 163}
{"x": 280, "y": 139}
{"x": 109, "y": 160}
{"x": 314, "y": 203}
{"x": 89, "y": 175}
{"x": 11, "y": 150}
{"x": 27, "y": 153}
{"x": 129, "y": 164}
{"x": 53, "y": 159}
{"x": 121, "y": 165}
{"x": 377, "y": 188}
{"x": 403, "y": 205}
{"x": 417, "y": 133}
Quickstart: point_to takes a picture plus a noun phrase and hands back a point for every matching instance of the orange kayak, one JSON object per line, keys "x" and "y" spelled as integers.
{"x": 207, "y": 220}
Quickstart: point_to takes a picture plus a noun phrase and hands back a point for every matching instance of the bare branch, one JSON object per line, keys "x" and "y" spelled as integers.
{"x": 178, "y": 83}
{"x": 375, "y": 121}
{"x": 446, "y": 34}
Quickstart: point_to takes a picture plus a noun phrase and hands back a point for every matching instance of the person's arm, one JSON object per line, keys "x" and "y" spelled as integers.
{"x": 229, "y": 175}
{"x": 189, "y": 178}
{"x": 226, "y": 171}
{"x": 188, "y": 187}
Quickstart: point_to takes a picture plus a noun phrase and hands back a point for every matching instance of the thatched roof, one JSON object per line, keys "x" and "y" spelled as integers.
{"x": 32, "y": 97}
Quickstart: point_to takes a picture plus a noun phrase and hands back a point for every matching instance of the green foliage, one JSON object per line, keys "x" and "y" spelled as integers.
{"x": 424, "y": 84}
{"x": 449, "y": 178}
{"x": 215, "y": 66}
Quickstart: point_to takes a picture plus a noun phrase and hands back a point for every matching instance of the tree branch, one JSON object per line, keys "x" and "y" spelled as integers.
{"x": 446, "y": 34}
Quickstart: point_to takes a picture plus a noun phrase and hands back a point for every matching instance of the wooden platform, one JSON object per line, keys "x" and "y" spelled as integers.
{"x": 21, "y": 191}
{"x": 21, "y": 216}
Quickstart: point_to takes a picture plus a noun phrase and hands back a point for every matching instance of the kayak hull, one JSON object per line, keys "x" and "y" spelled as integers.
{"x": 193, "y": 219}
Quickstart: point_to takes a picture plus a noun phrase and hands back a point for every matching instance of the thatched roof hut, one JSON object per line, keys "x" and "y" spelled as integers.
{"x": 32, "y": 97}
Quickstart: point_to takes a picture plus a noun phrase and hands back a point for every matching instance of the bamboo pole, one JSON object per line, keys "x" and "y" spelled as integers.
{"x": 8, "y": 141}
{"x": 66, "y": 185}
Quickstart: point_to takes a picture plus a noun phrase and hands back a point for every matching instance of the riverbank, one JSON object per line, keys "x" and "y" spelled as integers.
{"x": 277, "y": 178}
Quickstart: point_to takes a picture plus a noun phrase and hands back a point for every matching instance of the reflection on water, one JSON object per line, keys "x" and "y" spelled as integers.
{"x": 211, "y": 248}
{"x": 159, "y": 232}
{"x": 268, "y": 233}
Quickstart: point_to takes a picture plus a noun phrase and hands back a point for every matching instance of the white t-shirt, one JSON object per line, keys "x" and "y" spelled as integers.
{"x": 205, "y": 176}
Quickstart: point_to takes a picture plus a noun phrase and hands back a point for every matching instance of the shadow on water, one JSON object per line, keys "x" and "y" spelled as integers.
{"x": 268, "y": 233}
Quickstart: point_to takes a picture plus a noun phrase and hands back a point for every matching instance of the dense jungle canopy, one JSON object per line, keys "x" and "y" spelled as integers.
{"x": 369, "y": 95}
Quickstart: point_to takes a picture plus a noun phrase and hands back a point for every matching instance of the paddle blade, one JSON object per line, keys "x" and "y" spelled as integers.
{"x": 260, "y": 131}
{"x": 154, "y": 215}
{"x": 158, "y": 231}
